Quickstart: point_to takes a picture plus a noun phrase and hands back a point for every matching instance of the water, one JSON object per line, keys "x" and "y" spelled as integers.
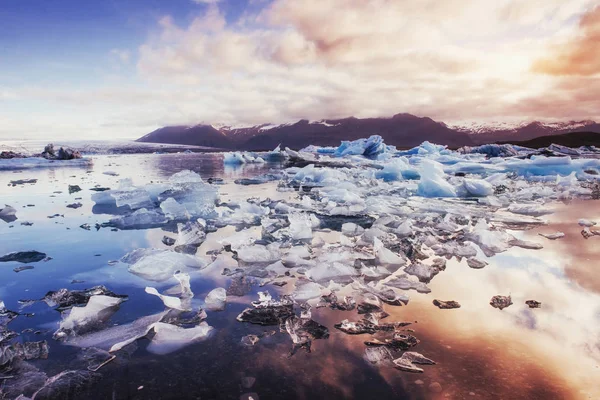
{"x": 481, "y": 352}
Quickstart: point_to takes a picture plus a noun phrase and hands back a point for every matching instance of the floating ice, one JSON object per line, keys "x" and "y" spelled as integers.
{"x": 409, "y": 359}
{"x": 215, "y": 299}
{"x": 39, "y": 162}
{"x": 169, "y": 301}
{"x": 370, "y": 147}
{"x": 433, "y": 182}
{"x": 552, "y": 236}
{"x": 81, "y": 319}
{"x": 161, "y": 265}
{"x": 300, "y": 226}
{"x": 117, "y": 337}
{"x": 586, "y": 223}
{"x": 8, "y": 213}
{"x": 241, "y": 158}
{"x": 169, "y": 338}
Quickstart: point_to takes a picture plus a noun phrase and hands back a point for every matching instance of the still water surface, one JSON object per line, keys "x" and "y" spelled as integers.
{"x": 481, "y": 352}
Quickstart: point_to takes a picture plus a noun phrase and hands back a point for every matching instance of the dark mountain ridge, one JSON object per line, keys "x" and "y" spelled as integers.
{"x": 401, "y": 130}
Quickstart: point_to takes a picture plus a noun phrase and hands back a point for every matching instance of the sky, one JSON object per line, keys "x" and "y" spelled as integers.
{"x": 120, "y": 69}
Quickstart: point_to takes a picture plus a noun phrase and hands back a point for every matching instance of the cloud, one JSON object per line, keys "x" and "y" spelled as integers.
{"x": 123, "y": 56}
{"x": 580, "y": 54}
{"x": 205, "y": 1}
{"x": 282, "y": 60}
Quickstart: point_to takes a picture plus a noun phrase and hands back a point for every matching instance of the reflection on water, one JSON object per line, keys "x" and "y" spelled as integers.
{"x": 481, "y": 352}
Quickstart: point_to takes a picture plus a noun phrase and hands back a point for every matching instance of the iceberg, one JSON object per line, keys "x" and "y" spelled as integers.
{"x": 433, "y": 182}
{"x": 370, "y": 147}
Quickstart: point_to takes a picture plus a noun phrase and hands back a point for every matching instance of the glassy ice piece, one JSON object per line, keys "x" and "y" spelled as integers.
{"x": 160, "y": 266}
{"x": 169, "y": 338}
{"x": 215, "y": 299}
{"x": 169, "y": 301}
{"x": 80, "y": 319}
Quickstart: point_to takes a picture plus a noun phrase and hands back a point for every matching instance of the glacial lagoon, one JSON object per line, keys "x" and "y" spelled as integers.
{"x": 352, "y": 251}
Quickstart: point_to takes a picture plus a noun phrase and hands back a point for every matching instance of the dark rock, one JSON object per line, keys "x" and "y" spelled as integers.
{"x": 74, "y": 205}
{"x": 23, "y": 181}
{"x": 99, "y": 189}
{"x": 239, "y": 286}
{"x": 347, "y": 304}
{"x": 6, "y": 155}
{"x": 24, "y": 257}
{"x": 446, "y": 305}
{"x": 533, "y": 304}
{"x": 303, "y": 331}
{"x": 267, "y": 316}
{"x": 74, "y": 189}
{"x": 168, "y": 241}
{"x": 500, "y": 302}
{"x": 64, "y": 299}
{"x": 250, "y": 340}
{"x": 62, "y": 154}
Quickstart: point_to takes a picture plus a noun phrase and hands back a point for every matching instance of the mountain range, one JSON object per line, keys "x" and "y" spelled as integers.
{"x": 401, "y": 130}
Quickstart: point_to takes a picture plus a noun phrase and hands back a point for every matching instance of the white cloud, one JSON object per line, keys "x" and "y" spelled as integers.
{"x": 452, "y": 60}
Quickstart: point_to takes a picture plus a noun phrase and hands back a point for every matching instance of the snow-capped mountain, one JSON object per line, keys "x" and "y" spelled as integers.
{"x": 402, "y": 130}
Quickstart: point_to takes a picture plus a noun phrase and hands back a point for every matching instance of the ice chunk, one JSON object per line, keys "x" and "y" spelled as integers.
{"x": 139, "y": 219}
{"x": 409, "y": 359}
{"x": 8, "y": 214}
{"x": 307, "y": 291}
{"x": 586, "y": 222}
{"x": 380, "y": 356}
{"x": 552, "y": 236}
{"x": 81, "y": 319}
{"x": 169, "y": 301}
{"x": 351, "y": 229}
{"x": 386, "y": 256}
{"x": 173, "y": 210}
{"x": 64, "y": 299}
{"x": 185, "y": 176}
{"x": 117, "y": 337}
{"x": 300, "y": 226}
{"x": 476, "y": 263}
{"x": 478, "y": 187}
{"x": 433, "y": 183}
{"x": 191, "y": 236}
{"x": 38, "y": 162}
{"x": 425, "y": 273}
{"x": 339, "y": 272}
{"x": 234, "y": 158}
{"x": 490, "y": 241}
{"x": 535, "y": 210}
{"x": 404, "y": 283}
{"x": 169, "y": 338}
{"x": 160, "y": 266}
{"x": 215, "y": 300}
{"x": 258, "y": 254}
{"x": 370, "y": 147}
